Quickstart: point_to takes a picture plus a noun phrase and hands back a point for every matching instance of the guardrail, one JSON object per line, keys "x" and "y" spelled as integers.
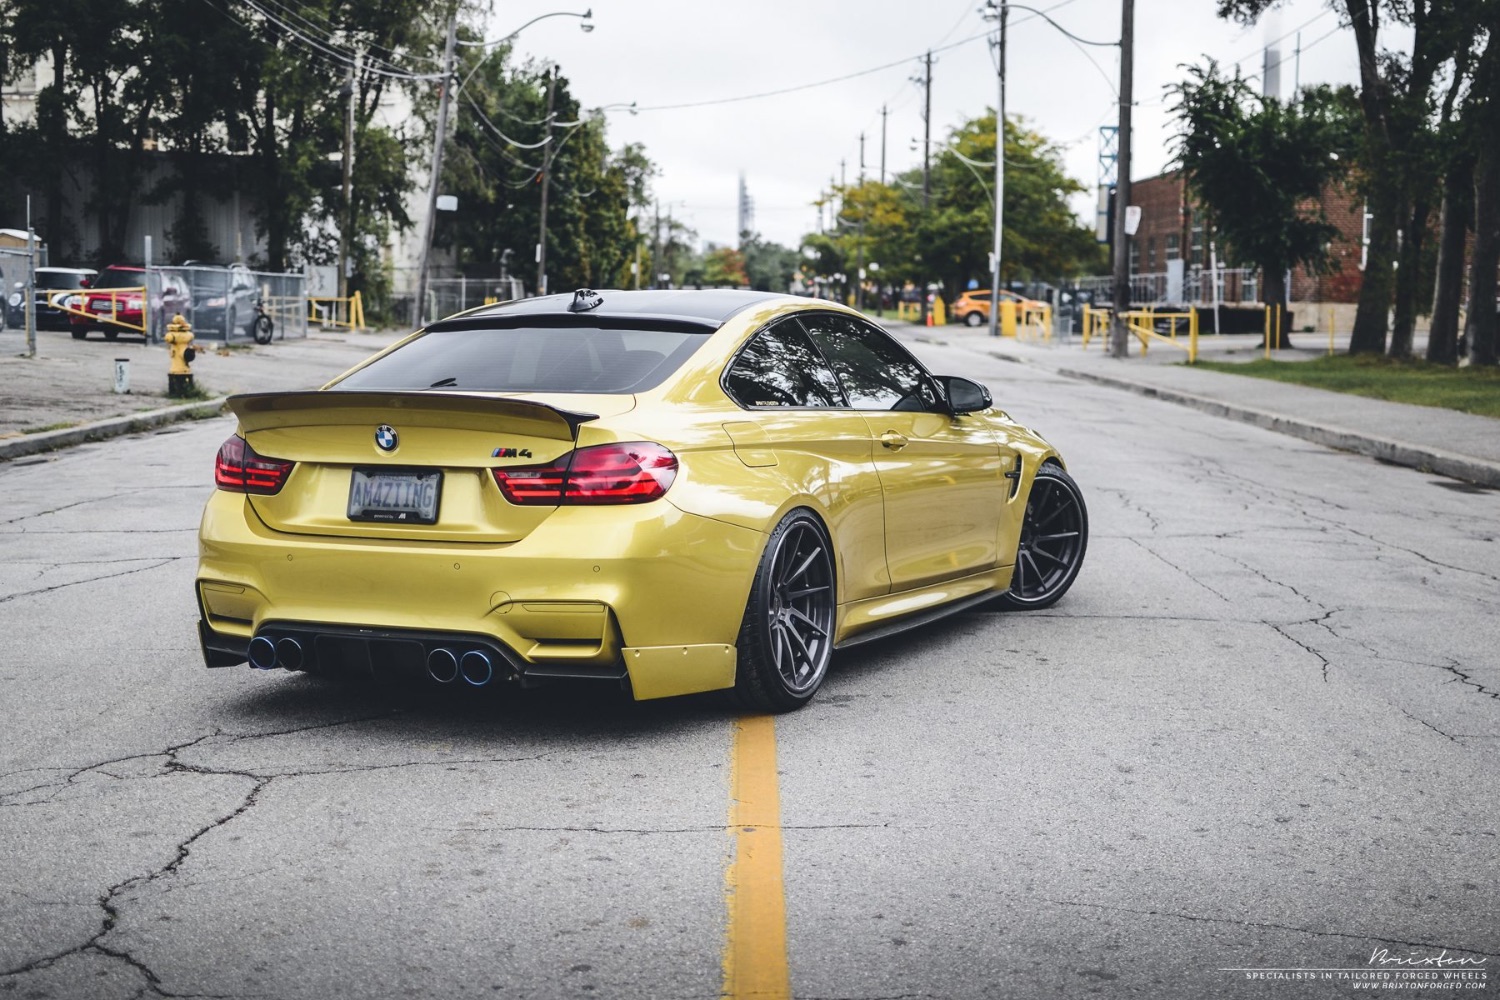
{"x": 345, "y": 312}
{"x": 1142, "y": 324}
{"x": 91, "y": 296}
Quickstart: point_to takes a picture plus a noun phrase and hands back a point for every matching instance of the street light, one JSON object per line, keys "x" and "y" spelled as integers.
{"x": 442, "y": 128}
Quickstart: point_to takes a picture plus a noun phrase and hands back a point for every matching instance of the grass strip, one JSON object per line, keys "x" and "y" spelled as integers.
{"x": 1469, "y": 390}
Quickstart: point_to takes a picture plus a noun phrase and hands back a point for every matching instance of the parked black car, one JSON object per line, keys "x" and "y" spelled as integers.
{"x": 223, "y": 298}
{"x": 48, "y": 280}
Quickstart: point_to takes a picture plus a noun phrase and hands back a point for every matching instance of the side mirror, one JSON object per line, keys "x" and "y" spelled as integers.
{"x": 964, "y": 395}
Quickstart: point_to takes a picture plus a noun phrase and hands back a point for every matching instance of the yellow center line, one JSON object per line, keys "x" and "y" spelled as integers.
{"x": 755, "y": 941}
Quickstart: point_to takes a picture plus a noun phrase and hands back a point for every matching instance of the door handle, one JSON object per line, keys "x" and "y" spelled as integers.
{"x": 893, "y": 441}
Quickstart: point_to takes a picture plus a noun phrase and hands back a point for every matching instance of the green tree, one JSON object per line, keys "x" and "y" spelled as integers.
{"x": 951, "y": 241}
{"x": 1258, "y": 167}
{"x": 769, "y": 267}
{"x": 724, "y": 267}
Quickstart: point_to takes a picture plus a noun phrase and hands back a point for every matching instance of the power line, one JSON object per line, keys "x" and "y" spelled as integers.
{"x": 809, "y": 86}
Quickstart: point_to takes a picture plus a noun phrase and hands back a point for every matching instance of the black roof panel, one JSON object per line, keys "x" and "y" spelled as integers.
{"x": 711, "y": 305}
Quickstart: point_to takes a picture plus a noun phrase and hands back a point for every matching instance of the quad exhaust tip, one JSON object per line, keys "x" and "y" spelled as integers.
{"x": 262, "y": 653}
{"x": 477, "y": 669}
{"x": 442, "y": 666}
{"x": 289, "y": 654}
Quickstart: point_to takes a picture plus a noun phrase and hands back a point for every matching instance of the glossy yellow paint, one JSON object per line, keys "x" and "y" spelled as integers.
{"x": 918, "y": 506}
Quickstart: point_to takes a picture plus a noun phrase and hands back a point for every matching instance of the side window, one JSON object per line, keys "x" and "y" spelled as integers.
{"x": 781, "y": 368}
{"x": 876, "y": 372}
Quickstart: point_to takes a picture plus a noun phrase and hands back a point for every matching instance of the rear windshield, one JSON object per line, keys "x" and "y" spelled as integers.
{"x": 531, "y": 359}
{"x": 120, "y": 279}
{"x": 58, "y": 279}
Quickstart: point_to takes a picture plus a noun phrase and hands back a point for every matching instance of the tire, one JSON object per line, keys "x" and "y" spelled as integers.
{"x": 110, "y": 334}
{"x": 79, "y": 332}
{"x": 973, "y": 319}
{"x": 1054, "y": 537}
{"x": 786, "y": 639}
{"x": 262, "y": 328}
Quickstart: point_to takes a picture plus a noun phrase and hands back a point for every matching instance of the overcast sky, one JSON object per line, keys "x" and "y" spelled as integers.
{"x": 666, "y": 52}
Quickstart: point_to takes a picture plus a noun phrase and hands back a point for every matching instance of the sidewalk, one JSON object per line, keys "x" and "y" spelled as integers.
{"x": 1446, "y": 442}
{"x": 65, "y": 395}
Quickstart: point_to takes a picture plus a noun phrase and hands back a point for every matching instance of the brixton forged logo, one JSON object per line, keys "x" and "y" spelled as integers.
{"x": 385, "y": 437}
{"x": 1441, "y": 972}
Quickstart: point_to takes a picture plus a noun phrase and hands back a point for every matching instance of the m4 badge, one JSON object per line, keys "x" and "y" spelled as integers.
{"x": 511, "y": 453}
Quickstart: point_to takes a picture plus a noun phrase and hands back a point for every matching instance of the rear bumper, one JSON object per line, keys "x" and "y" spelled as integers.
{"x": 648, "y": 592}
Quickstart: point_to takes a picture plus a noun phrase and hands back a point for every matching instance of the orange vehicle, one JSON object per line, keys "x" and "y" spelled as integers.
{"x": 973, "y": 307}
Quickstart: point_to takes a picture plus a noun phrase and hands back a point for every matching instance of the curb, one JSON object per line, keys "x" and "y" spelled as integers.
{"x": 1443, "y": 463}
{"x": 99, "y": 430}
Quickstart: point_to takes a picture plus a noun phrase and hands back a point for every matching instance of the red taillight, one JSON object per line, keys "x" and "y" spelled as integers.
{"x": 604, "y": 474}
{"x": 239, "y": 469}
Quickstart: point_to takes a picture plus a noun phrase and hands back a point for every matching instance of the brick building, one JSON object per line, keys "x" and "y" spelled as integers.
{"x": 1172, "y": 229}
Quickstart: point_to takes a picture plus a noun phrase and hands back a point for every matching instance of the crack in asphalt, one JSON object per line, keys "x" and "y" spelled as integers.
{"x": 169, "y": 560}
{"x": 1281, "y": 630}
{"x": 1265, "y": 925}
{"x": 1273, "y": 581}
{"x": 1424, "y": 722}
{"x": 1454, "y": 667}
{"x": 1179, "y": 569}
{"x": 1129, "y": 504}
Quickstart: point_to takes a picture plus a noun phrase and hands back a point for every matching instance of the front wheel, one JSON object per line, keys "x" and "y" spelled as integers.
{"x": 262, "y": 328}
{"x": 974, "y": 319}
{"x": 786, "y": 639}
{"x": 1054, "y": 535}
{"x": 79, "y": 332}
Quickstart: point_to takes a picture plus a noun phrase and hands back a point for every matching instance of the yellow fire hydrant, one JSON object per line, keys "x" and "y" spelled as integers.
{"x": 179, "y": 339}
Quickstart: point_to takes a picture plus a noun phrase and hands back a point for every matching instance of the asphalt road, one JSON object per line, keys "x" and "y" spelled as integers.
{"x": 1261, "y": 733}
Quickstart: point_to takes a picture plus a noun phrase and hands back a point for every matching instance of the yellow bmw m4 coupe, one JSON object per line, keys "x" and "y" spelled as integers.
{"x": 680, "y": 491}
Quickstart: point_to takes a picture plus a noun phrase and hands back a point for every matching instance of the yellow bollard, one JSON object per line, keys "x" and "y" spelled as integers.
{"x": 939, "y": 312}
{"x": 1193, "y": 337}
{"x": 1268, "y": 333}
{"x": 1007, "y": 318}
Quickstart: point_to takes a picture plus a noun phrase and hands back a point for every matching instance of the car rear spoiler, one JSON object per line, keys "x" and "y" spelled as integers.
{"x": 263, "y": 410}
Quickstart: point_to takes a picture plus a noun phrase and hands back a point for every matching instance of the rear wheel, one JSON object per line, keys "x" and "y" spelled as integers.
{"x": 261, "y": 328}
{"x": 110, "y": 334}
{"x": 974, "y": 319}
{"x": 1054, "y": 536}
{"x": 786, "y": 639}
{"x": 80, "y": 332}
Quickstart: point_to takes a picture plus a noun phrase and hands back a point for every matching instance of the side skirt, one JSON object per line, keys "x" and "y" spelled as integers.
{"x": 882, "y": 617}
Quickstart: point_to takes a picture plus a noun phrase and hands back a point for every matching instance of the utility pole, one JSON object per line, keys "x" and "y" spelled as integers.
{"x": 926, "y": 168}
{"x": 883, "y": 113}
{"x": 346, "y": 229}
{"x": 1002, "y": 14}
{"x": 1119, "y": 336}
{"x": 541, "y": 244}
{"x": 437, "y": 164}
{"x": 656, "y": 261}
{"x": 859, "y": 239}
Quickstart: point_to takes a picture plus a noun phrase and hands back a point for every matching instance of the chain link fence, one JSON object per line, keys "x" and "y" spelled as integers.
{"x": 226, "y": 303}
{"x": 446, "y": 296}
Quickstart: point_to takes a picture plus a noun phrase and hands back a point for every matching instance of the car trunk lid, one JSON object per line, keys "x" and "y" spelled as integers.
{"x": 383, "y": 435}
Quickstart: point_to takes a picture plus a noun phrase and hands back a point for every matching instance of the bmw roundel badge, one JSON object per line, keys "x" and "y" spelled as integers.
{"x": 385, "y": 437}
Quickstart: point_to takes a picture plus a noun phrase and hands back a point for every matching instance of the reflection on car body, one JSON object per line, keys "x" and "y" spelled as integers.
{"x": 677, "y": 491}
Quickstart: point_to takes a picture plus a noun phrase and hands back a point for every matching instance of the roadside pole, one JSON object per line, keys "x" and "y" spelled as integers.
{"x": 541, "y": 239}
{"x": 1118, "y": 337}
{"x": 30, "y": 283}
{"x": 437, "y": 164}
{"x": 999, "y": 171}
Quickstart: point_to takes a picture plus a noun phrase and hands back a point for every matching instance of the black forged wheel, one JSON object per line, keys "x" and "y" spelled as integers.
{"x": 786, "y": 640}
{"x": 1054, "y": 535}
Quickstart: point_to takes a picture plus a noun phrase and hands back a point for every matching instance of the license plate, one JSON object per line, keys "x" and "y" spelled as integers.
{"x": 101, "y": 305}
{"x": 408, "y": 496}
